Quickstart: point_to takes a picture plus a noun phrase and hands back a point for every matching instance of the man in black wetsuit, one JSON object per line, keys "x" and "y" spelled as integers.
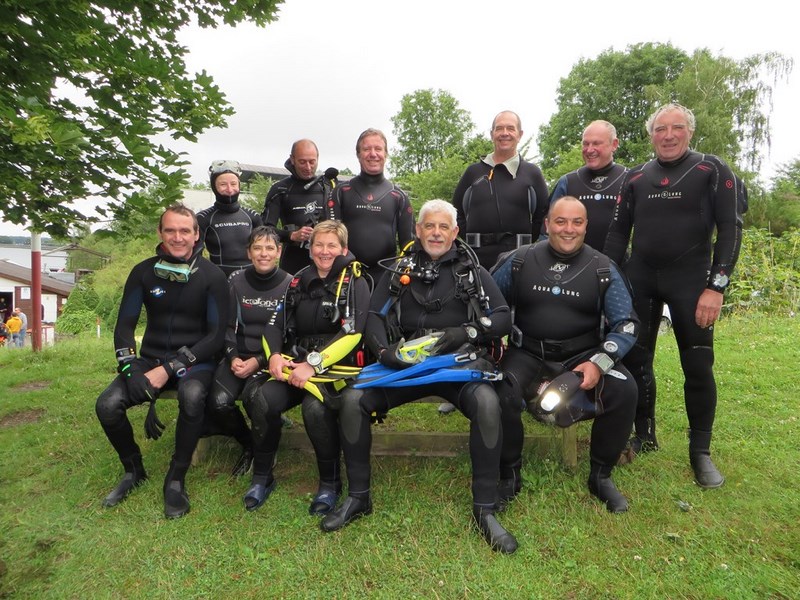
{"x": 225, "y": 227}
{"x": 559, "y": 290}
{"x": 597, "y": 183}
{"x": 186, "y": 300}
{"x": 675, "y": 204}
{"x": 502, "y": 199}
{"x": 375, "y": 211}
{"x": 297, "y": 207}
{"x": 444, "y": 290}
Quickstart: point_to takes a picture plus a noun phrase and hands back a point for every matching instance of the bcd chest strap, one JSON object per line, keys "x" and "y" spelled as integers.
{"x": 466, "y": 286}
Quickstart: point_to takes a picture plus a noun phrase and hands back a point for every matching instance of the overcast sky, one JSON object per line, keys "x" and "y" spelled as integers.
{"x": 328, "y": 69}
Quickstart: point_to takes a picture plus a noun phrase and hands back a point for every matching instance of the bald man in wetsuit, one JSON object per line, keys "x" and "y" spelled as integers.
{"x": 597, "y": 183}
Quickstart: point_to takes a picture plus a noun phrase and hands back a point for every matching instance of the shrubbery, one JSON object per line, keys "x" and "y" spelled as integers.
{"x": 767, "y": 276}
{"x": 99, "y": 294}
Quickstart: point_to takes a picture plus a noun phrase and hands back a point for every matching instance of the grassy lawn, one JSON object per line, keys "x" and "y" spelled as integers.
{"x": 677, "y": 541}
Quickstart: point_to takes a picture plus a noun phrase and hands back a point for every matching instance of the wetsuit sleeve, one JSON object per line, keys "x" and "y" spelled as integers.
{"x": 272, "y": 210}
{"x": 542, "y": 204}
{"x": 623, "y": 323}
{"x": 498, "y": 307}
{"x": 217, "y": 311}
{"x": 728, "y": 221}
{"x": 559, "y": 191}
{"x": 333, "y": 202}
{"x": 620, "y": 230}
{"x": 375, "y": 335}
{"x": 405, "y": 221}
{"x": 458, "y": 202}
{"x": 130, "y": 308}
{"x": 231, "y": 345}
{"x": 203, "y": 219}
{"x": 274, "y": 335}
{"x": 503, "y": 277}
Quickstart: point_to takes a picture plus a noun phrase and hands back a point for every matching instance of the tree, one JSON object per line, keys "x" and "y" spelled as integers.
{"x": 441, "y": 179}
{"x": 781, "y": 206}
{"x": 87, "y": 85}
{"x": 429, "y": 123}
{"x": 730, "y": 99}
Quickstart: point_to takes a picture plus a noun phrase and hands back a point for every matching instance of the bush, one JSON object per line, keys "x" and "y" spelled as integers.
{"x": 76, "y": 321}
{"x": 767, "y": 275}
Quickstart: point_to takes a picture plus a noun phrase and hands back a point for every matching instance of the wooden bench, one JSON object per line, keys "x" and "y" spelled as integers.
{"x": 539, "y": 438}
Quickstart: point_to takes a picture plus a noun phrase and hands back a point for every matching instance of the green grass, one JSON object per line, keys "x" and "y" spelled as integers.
{"x": 741, "y": 541}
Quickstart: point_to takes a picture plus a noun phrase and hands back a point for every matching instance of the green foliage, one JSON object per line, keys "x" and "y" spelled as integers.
{"x": 731, "y": 100}
{"x": 99, "y": 294}
{"x": 429, "y": 123}
{"x": 87, "y": 86}
{"x": 76, "y": 321}
{"x": 611, "y": 87}
{"x": 442, "y": 178}
{"x": 257, "y": 189}
{"x": 767, "y": 276}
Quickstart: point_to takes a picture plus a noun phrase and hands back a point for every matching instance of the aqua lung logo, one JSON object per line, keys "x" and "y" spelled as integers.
{"x": 556, "y": 290}
{"x": 157, "y": 292}
{"x": 310, "y": 208}
{"x": 370, "y": 207}
{"x": 597, "y": 197}
{"x": 559, "y": 267}
{"x": 665, "y": 195}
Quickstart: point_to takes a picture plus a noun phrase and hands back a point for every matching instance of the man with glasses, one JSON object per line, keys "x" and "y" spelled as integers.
{"x": 226, "y": 226}
{"x": 186, "y": 300}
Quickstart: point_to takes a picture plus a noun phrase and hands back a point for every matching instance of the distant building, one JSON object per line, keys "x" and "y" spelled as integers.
{"x": 15, "y": 290}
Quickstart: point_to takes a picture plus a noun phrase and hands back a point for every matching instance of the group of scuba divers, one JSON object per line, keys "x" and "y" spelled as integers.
{"x": 348, "y": 328}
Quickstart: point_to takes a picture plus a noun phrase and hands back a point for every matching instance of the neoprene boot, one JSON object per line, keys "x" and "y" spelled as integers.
{"x": 706, "y": 473}
{"x": 351, "y": 509}
{"x": 495, "y": 534}
{"x": 135, "y": 476}
{"x": 602, "y": 487}
{"x": 176, "y": 500}
{"x": 509, "y": 486}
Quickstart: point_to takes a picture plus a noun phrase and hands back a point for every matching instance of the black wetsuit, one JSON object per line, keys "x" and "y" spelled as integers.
{"x": 256, "y": 300}
{"x": 497, "y": 206}
{"x": 674, "y": 210}
{"x": 558, "y": 308}
{"x": 314, "y": 319}
{"x": 424, "y": 306}
{"x": 598, "y": 191}
{"x": 378, "y": 216}
{"x": 294, "y": 206}
{"x": 225, "y": 229}
{"x": 191, "y": 314}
